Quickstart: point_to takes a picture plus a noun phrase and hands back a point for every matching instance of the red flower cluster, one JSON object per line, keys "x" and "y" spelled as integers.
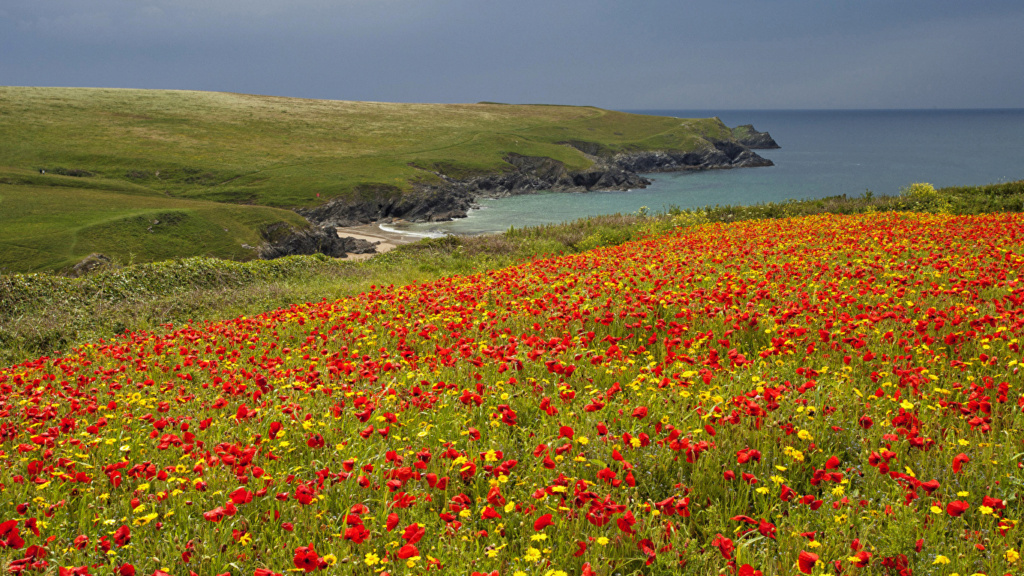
{"x": 770, "y": 397}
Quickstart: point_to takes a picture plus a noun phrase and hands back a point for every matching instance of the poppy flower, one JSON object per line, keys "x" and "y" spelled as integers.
{"x": 408, "y": 551}
{"x": 725, "y": 546}
{"x": 806, "y": 561}
{"x": 123, "y": 536}
{"x": 959, "y": 460}
{"x": 306, "y": 558}
{"x": 957, "y": 508}
{"x": 542, "y": 522}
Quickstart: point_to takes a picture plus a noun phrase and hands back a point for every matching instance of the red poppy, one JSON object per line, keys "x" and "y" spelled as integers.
{"x": 542, "y": 522}
{"x": 959, "y": 460}
{"x": 957, "y": 507}
{"x": 725, "y": 546}
{"x": 123, "y": 536}
{"x": 408, "y": 551}
{"x": 306, "y": 558}
{"x": 806, "y": 561}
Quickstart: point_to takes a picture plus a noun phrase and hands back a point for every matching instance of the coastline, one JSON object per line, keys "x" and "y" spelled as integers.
{"x": 384, "y": 240}
{"x": 453, "y": 198}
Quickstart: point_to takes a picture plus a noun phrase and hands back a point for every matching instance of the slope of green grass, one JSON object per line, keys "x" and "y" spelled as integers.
{"x": 211, "y": 167}
{"x": 284, "y": 151}
{"x": 52, "y": 227}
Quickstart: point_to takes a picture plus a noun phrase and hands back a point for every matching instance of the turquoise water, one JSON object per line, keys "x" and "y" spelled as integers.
{"x": 824, "y": 153}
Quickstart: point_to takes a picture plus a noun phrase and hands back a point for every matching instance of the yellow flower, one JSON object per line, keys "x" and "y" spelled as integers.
{"x": 793, "y": 453}
{"x": 941, "y": 560}
{"x": 143, "y": 520}
{"x": 984, "y": 510}
{"x": 371, "y": 559}
{"x": 1012, "y": 556}
{"x": 603, "y": 541}
{"x": 331, "y": 559}
{"x": 532, "y": 554}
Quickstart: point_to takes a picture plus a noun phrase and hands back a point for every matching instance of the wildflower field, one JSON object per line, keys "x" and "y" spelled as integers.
{"x": 820, "y": 395}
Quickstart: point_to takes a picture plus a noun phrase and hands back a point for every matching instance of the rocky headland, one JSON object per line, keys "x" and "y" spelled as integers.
{"x": 751, "y": 138}
{"x": 453, "y": 198}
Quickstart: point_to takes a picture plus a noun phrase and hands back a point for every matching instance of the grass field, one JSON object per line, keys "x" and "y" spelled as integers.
{"x": 151, "y": 151}
{"x": 49, "y": 227}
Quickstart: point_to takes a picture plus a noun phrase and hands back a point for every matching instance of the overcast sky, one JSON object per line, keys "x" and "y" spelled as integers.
{"x": 636, "y": 54}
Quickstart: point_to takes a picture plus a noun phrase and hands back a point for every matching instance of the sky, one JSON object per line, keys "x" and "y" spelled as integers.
{"x": 636, "y": 54}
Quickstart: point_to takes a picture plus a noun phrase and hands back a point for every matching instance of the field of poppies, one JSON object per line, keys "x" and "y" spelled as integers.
{"x": 820, "y": 395}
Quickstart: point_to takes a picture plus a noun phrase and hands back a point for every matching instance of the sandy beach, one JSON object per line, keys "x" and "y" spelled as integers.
{"x": 372, "y": 233}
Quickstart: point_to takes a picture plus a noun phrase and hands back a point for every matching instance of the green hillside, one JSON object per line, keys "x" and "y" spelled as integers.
{"x": 216, "y": 168}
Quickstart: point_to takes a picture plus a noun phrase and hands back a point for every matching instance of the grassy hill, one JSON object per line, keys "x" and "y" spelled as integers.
{"x": 215, "y": 168}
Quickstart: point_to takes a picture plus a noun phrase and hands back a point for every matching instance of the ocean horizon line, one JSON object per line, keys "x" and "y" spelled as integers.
{"x": 760, "y": 110}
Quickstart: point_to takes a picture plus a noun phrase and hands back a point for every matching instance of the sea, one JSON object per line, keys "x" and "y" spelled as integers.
{"x": 823, "y": 153}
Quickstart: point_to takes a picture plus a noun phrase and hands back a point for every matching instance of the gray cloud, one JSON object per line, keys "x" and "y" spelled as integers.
{"x": 656, "y": 54}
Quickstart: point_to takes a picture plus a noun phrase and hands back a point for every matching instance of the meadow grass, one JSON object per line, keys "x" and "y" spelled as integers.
{"x": 150, "y": 151}
{"x": 53, "y": 227}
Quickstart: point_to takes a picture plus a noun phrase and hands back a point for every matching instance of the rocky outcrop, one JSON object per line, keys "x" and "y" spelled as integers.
{"x": 452, "y": 198}
{"x": 315, "y": 240}
{"x": 89, "y": 264}
{"x": 720, "y": 155}
{"x": 533, "y": 173}
{"x": 425, "y": 204}
{"x": 747, "y": 136}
